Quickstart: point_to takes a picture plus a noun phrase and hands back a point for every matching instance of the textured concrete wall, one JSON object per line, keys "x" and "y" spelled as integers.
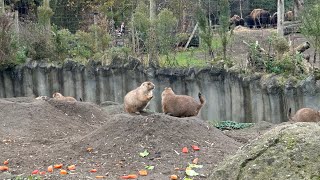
{"x": 229, "y": 95}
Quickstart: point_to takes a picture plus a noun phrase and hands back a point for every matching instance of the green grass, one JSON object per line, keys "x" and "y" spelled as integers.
{"x": 193, "y": 57}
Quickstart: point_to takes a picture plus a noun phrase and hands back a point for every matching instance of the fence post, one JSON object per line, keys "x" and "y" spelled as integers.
{"x": 95, "y": 29}
{"x": 280, "y": 17}
{"x": 16, "y": 22}
{"x": 2, "y": 11}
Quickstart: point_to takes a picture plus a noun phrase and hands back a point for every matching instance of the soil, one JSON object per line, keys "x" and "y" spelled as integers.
{"x": 35, "y": 134}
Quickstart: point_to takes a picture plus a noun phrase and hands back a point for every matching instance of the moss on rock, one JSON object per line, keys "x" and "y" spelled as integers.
{"x": 289, "y": 151}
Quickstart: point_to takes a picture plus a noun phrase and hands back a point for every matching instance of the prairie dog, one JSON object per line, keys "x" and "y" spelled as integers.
{"x": 59, "y": 96}
{"x": 180, "y": 105}
{"x": 136, "y": 100}
{"x": 305, "y": 115}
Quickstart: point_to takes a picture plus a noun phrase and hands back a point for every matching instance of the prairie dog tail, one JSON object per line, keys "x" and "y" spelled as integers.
{"x": 201, "y": 98}
{"x": 289, "y": 115}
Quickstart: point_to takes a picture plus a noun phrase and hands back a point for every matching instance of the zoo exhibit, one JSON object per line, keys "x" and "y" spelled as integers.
{"x": 155, "y": 90}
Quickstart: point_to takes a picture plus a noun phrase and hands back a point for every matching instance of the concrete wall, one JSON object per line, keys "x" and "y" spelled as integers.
{"x": 229, "y": 95}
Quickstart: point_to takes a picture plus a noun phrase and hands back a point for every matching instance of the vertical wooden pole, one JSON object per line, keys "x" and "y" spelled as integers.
{"x": 16, "y": 22}
{"x": 280, "y": 17}
{"x": 95, "y": 30}
{"x": 2, "y": 11}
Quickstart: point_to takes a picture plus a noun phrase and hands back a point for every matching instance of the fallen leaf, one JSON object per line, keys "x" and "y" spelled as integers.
{"x": 50, "y": 168}
{"x": 4, "y": 168}
{"x": 191, "y": 172}
{"x": 93, "y": 170}
{"x": 143, "y": 173}
{"x": 144, "y": 153}
{"x": 173, "y": 177}
{"x": 71, "y": 167}
{"x": 149, "y": 167}
{"x": 63, "y": 172}
{"x": 58, "y": 166}
{"x": 42, "y": 173}
{"x": 196, "y": 148}
{"x": 6, "y": 162}
{"x": 35, "y": 171}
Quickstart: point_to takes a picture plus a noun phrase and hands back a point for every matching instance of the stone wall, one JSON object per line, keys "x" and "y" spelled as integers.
{"x": 229, "y": 96}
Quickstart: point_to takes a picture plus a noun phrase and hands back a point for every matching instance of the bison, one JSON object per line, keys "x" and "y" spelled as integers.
{"x": 260, "y": 17}
{"x": 249, "y": 21}
{"x": 288, "y": 16}
{"x": 236, "y": 20}
{"x": 274, "y": 20}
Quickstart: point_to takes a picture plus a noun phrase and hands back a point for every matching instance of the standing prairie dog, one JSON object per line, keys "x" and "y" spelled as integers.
{"x": 59, "y": 96}
{"x": 305, "y": 115}
{"x": 136, "y": 100}
{"x": 180, "y": 105}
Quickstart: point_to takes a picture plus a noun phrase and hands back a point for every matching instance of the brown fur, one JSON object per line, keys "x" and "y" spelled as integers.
{"x": 59, "y": 96}
{"x": 305, "y": 115}
{"x": 180, "y": 105}
{"x": 288, "y": 16}
{"x": 260, "y": 17}
{"x": 136, "y": 100}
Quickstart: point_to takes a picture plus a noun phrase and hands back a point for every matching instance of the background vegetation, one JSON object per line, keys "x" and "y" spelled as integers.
{"x": 80, "y": 30}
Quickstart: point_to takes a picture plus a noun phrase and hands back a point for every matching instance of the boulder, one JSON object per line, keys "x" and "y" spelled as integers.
{"x": 288, "y": 151}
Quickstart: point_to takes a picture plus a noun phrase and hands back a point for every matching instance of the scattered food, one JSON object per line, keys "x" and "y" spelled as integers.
{"x": 173, "y": 177}
{"x": 4, "y": 168}
{"x": 185, "y": 150}
{"x": 63, "y": 172}
{"x": 143, "y": 173}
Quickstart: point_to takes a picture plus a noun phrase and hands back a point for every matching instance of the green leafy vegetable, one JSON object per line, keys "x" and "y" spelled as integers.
{"x": 149, "y": 167}
{"x": 144, "y": 153}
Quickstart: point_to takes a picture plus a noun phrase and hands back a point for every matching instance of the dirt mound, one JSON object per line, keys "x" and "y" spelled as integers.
{"x": 122, "y": 138}
{"x": 36, "y": 133}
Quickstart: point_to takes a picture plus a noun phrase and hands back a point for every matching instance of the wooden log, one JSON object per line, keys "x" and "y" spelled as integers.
{"x": 302, "y": 47}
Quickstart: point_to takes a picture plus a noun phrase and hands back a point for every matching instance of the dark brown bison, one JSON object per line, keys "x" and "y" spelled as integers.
{"x": 249, "y": 21}
{"x": 274, "y": 20}
{"x": 236, "y": 20}
{"x": 288, "y": 16}
{"x": 261, "y": 18}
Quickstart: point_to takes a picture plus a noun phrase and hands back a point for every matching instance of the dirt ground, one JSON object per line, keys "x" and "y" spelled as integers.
{"x": 35, "y": 134}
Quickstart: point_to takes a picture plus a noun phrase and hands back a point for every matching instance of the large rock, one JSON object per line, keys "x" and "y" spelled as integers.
{"x": 289, "y": 151}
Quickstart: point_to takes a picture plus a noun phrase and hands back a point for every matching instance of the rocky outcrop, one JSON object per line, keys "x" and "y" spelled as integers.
{"x": 230, "y": 95}
{"x": 289, "y": 151}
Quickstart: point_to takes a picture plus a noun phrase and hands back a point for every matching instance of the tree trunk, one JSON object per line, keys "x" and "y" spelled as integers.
{"x": 191, "y": 36}
{"x": 153, "y": 59}
{"x": 184, "y": 19}
{"x": 297, "y": 8}
{"x": 2, "y": 11}
{"x": 280, "y": 17}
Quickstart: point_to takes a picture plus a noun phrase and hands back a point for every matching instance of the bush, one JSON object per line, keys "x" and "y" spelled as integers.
{"x": 5, "y": 39}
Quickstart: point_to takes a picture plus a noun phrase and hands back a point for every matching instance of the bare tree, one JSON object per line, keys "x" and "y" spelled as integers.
{"x": 153, "y": 58}
{"x": 280, "y": 17}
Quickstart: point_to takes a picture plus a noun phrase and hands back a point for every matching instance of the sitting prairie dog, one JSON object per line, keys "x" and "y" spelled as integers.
{"x": 136, "y": 100}
{"x": 180, "y": 105}
{"x": 59, "y": 96}
{"x": 304, "y": 115}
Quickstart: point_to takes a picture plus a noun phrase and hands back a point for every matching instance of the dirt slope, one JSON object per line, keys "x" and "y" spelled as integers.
{"x": 35, "y": 134}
